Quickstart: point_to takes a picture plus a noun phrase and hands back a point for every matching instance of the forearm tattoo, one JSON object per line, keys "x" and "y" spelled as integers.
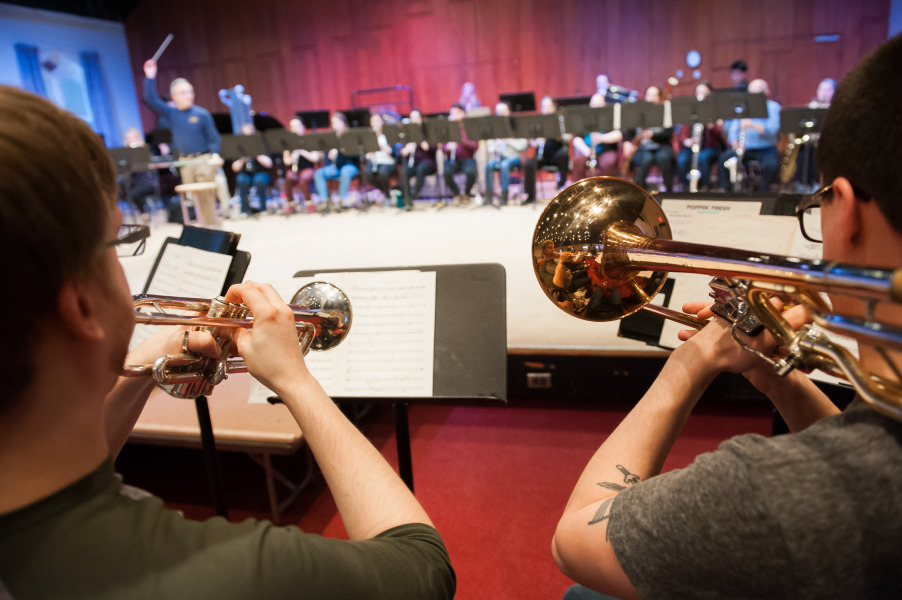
{"x": 604, "y": 510}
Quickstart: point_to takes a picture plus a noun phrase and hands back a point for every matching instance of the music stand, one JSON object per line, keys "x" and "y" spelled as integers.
{"x": 438, "y": 131}
{"x": 314, "y": 119}
{"x": 357, "y": 117}
{"x": 641, "y": 115}
{"x": 233, "y": 147}
{"x": 357, "y": 141}
{"x": 739, "y": 105}
{"x": 537, "y": 126}
{"x": 580, "y": 120}
{"x": 318, "y": 142}
{"x": 802, "y": 122}
{"x": 689, "y": 110}
{"x": 403, "y": 133}
{"x": 280, "y": 140}
{"x": 519, "y": 101}
{"x": 127, "y": 160}
{"x": 488, "y": 128}
{"x": 572, "y": 101}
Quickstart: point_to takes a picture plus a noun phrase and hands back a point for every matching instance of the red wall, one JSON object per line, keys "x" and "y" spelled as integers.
{"x": 303, "y": 55}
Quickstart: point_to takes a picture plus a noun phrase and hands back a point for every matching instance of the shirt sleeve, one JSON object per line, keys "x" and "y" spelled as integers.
{"x": 152, "y": 97}
{"x": 211, "y": 135}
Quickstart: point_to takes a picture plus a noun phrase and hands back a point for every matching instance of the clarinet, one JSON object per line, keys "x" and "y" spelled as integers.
{"x": 694, "y": 174}
{"x": 734, "y": 164}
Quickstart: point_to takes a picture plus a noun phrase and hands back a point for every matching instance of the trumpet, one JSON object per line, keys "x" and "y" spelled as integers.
{"x": 629, "y": 235}
{"x": 322, "y": 315}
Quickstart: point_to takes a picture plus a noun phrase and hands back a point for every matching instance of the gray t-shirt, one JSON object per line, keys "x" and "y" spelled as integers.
{"x": 91, "y": 541}
{"x": 817, "y": 514}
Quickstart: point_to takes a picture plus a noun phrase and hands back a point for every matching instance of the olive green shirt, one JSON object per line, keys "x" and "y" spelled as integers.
{"x": 91, "y": 541}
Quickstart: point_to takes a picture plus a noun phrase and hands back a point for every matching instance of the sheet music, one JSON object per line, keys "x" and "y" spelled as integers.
{"x": 731, "y": 224}
{"x": 185, "y": 271}
{"x": 390, "y": 348}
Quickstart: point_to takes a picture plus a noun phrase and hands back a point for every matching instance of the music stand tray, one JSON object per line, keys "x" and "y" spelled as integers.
{"x": 488, "y": 128}
{"x": 358, "y": 140}
{"x": 280, "y": 140}
{"x": 740, "y": 105}
{"x": 403, "y": 133}
{"x": 802, "y": 120}
{"x": 314, "y": 119}
{"x": 234, "y": 147}
{"x": 641, "y": 115}
{"x": 441, "y": 131}
{"x": 537, "y": 126}
{"x": 519, "y": 101}
{"x": 580, "y": 120}
{"x": 688, "y": 110}
{"x": 318, "y": 142}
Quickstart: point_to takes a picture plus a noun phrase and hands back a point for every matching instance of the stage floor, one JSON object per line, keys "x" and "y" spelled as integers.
{"x": 385, "y": 237}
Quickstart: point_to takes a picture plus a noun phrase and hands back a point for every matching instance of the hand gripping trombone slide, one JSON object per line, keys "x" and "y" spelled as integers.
{"x": 322, "y": 316}
{"x": 627, "y": 235}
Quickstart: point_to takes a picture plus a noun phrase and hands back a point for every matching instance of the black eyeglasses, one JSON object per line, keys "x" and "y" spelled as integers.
{"x": 809, "y": 211}
{"x": 131, "y": 240}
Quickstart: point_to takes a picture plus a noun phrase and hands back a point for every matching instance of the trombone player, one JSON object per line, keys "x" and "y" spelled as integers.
{"x": 810, "y": 514}
{"x": 66, "y": 528}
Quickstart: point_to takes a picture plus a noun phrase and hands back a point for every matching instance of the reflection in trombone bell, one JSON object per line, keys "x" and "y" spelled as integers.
{"x": 322, "y": 315}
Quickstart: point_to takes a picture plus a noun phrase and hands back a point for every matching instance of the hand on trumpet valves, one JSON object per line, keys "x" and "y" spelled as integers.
{"x": 173, "y": 340}
{"x": 715, "y": 341}
{"x": 270, "y": 350}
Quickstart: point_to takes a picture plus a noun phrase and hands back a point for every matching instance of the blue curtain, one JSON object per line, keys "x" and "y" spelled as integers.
{"x": 104, "y": 118}
{"x": 30, "y": 69}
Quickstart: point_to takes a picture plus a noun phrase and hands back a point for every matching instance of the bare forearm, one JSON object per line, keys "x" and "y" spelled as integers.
{"x": 122, "y": 407}
{"x": 370, "y": 496}
{"x": 799, "y": 401}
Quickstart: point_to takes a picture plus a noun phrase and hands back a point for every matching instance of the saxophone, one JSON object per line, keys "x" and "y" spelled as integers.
{"x": 789, "y": 163}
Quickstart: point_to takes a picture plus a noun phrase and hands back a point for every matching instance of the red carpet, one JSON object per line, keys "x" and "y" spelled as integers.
{"x": 494, "y": 481}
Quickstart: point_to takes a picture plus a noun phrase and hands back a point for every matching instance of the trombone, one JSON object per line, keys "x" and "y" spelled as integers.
{"x": 627, "y": 236}
{"x": 322, "y": 315}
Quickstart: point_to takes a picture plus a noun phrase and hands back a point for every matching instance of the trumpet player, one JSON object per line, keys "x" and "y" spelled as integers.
{"x": 810, "y": 514}
{"x": 67, "y": 530}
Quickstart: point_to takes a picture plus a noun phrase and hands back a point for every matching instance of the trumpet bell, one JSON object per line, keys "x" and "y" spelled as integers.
{"x": 589, "y": 220}
{"x": 330, "y": 313}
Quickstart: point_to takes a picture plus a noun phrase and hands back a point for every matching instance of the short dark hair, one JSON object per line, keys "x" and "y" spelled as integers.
{"x": 56, "y": 194}
{"x": 860, "y": 138}
{"x": 739, "y": 65}
{"x": 458, "y": 105}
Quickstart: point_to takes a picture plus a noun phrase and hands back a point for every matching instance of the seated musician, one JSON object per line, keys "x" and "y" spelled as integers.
{"x": 803, "y": 149}
{"x": 808, "y": 514}
{"x": 504, "y": 154}
{"x": 460, "y": 157}
{"x": 597, "y": 152}
{"x": 68, "y": 527}
{"x": 380, "y": 165}
{"x": 654, "y": 147}
{"x": 252, "y": 171}
{"x": 710, "y": 146}
{"x": 417, "y": 160}
{"x": 756, "y": 138}
{"x": 299, "y": 166}
{"x": 137, "y": 187}
{"x": 549, "y": 152}
{"x": 338, "y": 166}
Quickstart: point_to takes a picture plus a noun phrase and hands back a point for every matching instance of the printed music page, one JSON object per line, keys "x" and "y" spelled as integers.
{"x": 187, "y": 272}
{"x": 389, "y": 350}
{"x": 730, "y": 224}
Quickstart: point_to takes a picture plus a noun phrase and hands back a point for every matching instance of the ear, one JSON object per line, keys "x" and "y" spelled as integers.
{"x": 78, "y": 310}
{"x": 843, "y": 218}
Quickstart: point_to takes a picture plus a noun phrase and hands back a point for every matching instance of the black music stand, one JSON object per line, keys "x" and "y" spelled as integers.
{"x": 127, "y": 160}
{"x": 280, "y": 140}
{"x": 488, "y": 128}
{"x": 519, "y": 101}
{"x": 221, "y": 242}
{"x": 572, "y": 101}
{"x": 802, "y": 122}
{"x": 233, "y": 147}
{"x": 358, "y": 141}
{"x": 580, "y": 120}
{"x": 314, "y": 119}
{"x": 438, "y": 131}
{"x": 318, "y": 142}
{"x": 403, "y": 133}
{"x": 357, "y": 117}
{"x": 537, "y": 126}
{"x": 470, "y": 356}
{"x": 689, "y": 110}
{"x": 739, "y": 105}
{"x": 641, "y": 115}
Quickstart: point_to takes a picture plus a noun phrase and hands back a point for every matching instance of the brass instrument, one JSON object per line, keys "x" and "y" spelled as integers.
{"x": 629, "y": 235}
{"x": 790, "y": 156}
{"x": 322, "y": 316}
